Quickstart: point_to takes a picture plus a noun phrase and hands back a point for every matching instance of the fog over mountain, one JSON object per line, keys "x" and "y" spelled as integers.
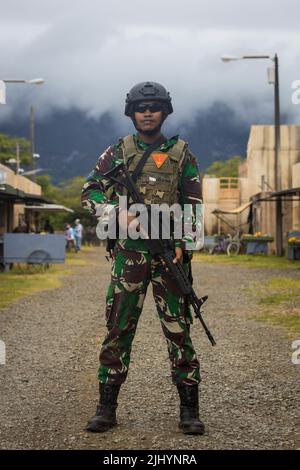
{"x": 91, "y": 53}
{"x": 69, "y": 142}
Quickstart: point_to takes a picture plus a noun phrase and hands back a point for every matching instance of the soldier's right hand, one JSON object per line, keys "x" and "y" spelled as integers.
{"x": 126, "y": 218}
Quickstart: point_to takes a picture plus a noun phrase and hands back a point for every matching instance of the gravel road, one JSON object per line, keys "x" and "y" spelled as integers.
{"x": 249, "y": 393}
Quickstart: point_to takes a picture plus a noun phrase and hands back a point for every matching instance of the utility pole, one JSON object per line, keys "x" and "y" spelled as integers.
{"x": 32, "y": 137}
{"x": 273, "y": 79}
{"x": 277, "y": 166}
{"x": 17, "y": 158}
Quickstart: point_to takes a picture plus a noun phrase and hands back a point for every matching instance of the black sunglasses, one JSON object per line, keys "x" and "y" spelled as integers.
{"x": 152, "y": 107}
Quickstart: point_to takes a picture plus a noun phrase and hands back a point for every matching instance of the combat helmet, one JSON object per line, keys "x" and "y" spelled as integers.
{"x": 147, "y": 91}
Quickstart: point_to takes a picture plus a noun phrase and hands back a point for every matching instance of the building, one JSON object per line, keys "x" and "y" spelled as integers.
{"x": 15, "y": 192}
{"x": 21, "y": 202}
{"x": 256, "y": 182}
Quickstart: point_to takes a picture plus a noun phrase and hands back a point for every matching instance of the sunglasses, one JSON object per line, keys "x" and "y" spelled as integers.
{"x": 152, "y": 107}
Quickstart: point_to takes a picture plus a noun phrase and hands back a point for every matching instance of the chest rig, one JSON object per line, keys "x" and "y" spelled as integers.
{"x": 157, "y": 183}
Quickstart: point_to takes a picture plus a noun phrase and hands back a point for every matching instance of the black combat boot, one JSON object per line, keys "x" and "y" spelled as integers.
{"x": 105, "y": 417}
{"x": 189, "y": 409}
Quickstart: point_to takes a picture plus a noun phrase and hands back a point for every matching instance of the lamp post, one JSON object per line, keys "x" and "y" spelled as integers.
{"x": 33, "y": 81}
{"x": 277, "y": 173}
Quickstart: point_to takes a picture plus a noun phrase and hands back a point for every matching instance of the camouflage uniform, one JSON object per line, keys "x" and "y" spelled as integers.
{"x": 132, "y": 269}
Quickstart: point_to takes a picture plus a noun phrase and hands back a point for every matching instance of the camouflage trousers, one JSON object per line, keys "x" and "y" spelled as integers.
{"x": 131, "y": 274}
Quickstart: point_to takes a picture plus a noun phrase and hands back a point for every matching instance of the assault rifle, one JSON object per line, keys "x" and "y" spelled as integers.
{"x": 161, "y": 247}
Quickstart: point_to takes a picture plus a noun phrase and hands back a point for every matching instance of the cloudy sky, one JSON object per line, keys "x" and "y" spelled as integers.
{"x": 90, "y": 52}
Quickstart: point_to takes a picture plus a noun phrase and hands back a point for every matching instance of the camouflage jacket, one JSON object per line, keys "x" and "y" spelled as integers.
{"x": 100, "y": 201}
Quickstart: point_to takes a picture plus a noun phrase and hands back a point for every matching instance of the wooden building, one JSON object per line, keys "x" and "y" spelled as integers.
{"x": 256, "y": 182}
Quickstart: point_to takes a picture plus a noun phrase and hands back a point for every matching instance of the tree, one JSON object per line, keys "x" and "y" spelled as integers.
{"x": 70, "y": 196}
{"x": 67, "y": 194}
{"x": 225, "y": 168}
{"x": 49, "y": 191}
{"x": 8, "y": 149}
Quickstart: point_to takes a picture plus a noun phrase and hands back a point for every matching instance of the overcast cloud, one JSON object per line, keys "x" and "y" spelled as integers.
{"x": 91, "y": 52}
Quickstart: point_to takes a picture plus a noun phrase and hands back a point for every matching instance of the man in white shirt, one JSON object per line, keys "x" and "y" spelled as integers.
{"x": 78, "y": 232}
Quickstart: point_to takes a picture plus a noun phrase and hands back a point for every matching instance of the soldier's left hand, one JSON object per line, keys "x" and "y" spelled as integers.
{"x": 179, "y": 255}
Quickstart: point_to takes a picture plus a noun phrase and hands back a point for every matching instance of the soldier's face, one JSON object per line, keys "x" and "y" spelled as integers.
{"x": 147, "y": 116}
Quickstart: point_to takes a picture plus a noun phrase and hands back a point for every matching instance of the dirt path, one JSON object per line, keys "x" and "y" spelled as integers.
{"x": 249, "y": 393}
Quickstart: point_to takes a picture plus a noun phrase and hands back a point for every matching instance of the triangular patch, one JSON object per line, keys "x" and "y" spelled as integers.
{"x": 159, "y": 158}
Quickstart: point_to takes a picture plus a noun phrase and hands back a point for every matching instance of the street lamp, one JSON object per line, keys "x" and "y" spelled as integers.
{"x": 33, "y": 172}
{"x": 16, "y": 161}
{"x": 33, "y": 81}
{"x": 21, "y": 171}
{"x": 273, "y": 79}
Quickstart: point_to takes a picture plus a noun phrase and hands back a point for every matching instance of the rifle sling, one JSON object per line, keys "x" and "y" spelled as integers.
{"x": 136, "y": 173}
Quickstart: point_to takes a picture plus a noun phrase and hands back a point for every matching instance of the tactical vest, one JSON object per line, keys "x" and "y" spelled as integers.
{"x": 158, "y": 182}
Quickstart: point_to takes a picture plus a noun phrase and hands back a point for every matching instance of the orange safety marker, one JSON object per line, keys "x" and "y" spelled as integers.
{"x": 159, "y": 158}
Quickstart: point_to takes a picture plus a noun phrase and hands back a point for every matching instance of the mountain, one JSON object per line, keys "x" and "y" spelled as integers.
{"x": 69, "y": 142}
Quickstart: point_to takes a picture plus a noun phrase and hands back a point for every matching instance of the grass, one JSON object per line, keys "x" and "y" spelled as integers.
{"x": 248, "y": 261}
{"x": 276, "y": 299}
{"x": 288, "y": 321}
{"x": 279, "y": 299}
{"x": 75, "y": 259}
{"x": 25, "y": 280}
{"x": 16, "y": 284}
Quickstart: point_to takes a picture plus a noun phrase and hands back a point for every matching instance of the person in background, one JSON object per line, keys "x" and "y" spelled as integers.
{"x": 89, "y": 233}
{"x": 48, "y": 228}
{"x": 78, "y": 232}
{"x": 70, "y": 238}
{"x": 21, "y": 228}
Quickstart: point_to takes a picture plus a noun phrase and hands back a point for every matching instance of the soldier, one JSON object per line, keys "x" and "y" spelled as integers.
{"x": 170, "y": 175}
